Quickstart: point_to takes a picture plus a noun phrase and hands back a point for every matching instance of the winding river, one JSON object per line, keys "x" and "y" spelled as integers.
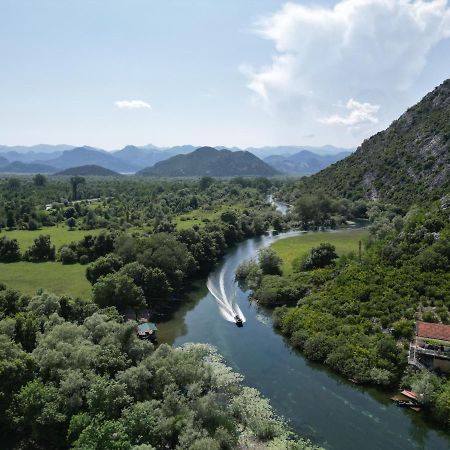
{"x": 319, "y": 404}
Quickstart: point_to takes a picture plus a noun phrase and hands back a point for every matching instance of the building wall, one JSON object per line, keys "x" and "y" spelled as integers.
{"x": 441, "y": 364}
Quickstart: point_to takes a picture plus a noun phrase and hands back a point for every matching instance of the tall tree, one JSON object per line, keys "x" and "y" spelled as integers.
{"x": 75, "y": 182}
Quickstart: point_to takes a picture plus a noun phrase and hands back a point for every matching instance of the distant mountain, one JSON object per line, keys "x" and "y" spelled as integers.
{"x": 20, "y": 167}
{"x": 408, "y": 162}
{"x": 30, "y": 156}
{"x": 304, "y": 162}
{"x": 89, "y": 170}
{"x": 288, "y": 150}
{"x": 208, "y": 161}
{"x": 40, "y": 148}
{"x": 141, "y": 157}
{"x": 3, "y": 161}
{"x": 82, "y": 156}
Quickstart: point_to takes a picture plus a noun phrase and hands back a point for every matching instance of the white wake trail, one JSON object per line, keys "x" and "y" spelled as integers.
{"x": 228, "y": 309}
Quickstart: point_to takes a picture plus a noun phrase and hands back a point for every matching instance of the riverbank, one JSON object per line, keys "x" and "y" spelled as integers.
{"x": 318, "y": 403}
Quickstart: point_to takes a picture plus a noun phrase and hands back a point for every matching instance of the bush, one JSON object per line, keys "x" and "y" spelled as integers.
{"x": 41, "y": 250}
{"x": 9, "y": 250}
{"x": 269, "y": 262}
{"x": 319, "y": 257}
{"x": 67, "y": 255}
{"x": 84, "y": 259}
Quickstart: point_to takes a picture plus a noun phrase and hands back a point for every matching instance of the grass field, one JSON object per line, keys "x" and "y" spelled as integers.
{"x": 345, "y": 241}
{"x": 197, "y": 217}
{"x": 58, "y": 235}
{"x": 27, "y": 277}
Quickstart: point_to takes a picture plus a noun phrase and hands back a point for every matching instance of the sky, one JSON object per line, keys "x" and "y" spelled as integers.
{"x": 108, "y": 73}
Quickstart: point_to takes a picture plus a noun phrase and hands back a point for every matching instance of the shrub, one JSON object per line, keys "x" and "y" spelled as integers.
{"x": 319, "y": 257}
{"x": 9, "y": 250}
{"x": 67, "y": 255}
{"x": 41, "y": 250}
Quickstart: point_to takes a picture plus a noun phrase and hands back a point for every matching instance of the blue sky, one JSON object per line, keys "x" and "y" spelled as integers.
{"x": 108, "y": 73}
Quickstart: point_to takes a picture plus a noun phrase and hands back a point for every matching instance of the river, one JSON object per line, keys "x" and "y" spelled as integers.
{"x": 319, "y": 405}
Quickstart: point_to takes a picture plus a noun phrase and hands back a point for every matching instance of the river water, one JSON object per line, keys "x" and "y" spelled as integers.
{"x": 319, "y": 405}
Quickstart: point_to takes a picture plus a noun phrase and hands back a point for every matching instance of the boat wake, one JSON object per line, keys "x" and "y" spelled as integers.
{"x": 228, "y": 308}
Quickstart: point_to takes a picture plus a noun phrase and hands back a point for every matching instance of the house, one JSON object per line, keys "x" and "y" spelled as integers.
{"x": 431, "y": 347}
{"x": 147, "y": 330}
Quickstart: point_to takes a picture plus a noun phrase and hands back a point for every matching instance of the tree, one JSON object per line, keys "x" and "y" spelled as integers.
{"x": 10, "y": 219}
{"x": 319, "y": 257}
{"x": 118, "y": 290}
{"x": 107, "y": 397}
{"x": 75, "y": 182}
{"x": 41, "y": 250}
{"x": 39, "y": 180}
{"x": 16, "y": 368}
{"x": 269, "y": 261}
{"x": 13, "y": 184}
{"x": 71, "y": 223}
{"x": 164, "y": 251}
{"x": 9, "y": 250}
{"x": 205, "y": 183}
{"x": 103, "y": 266}
{"x": 153, "y": 281}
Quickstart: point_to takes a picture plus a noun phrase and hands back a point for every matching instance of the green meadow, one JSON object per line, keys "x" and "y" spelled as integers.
{"x": 345, "y": 241}
{"x": 27, "y": 277}
{"x": 61, "y": 279}
{"x": 201, "y": 216}
{"x": 58, "y": 235}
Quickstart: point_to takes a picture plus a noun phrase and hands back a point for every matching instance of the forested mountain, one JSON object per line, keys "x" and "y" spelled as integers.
{"x": 90, "y": 156}
{"x": 408, "y": 162}
{"x": 304, "y": 162}
{"x": 211, "y": 162}
{"x": 21, "y": 167}
{"x": 88, "y": 170}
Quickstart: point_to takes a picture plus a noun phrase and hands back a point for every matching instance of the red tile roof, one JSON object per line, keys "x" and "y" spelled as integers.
{"x": 433, "y": 331}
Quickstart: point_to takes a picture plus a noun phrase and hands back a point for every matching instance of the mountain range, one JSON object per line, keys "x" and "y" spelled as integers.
{"x": 131, "y": 158}
{"x": 304, "y": 162}
{"x": 209, "y": 161}
{"x": 407, "y": 163}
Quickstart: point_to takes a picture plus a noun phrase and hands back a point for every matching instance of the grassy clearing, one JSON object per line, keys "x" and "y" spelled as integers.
{"x": 27, "y": 277}
{"x": 58, "y": 235}
{"x": 345, "y": 241}
{"x": 199, "y": 216}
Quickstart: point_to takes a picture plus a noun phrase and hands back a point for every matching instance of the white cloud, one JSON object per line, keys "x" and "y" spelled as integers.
{"x": 371, "y": 49}
{"x": 132, "y": 104}
{"x": 360, "y": 113}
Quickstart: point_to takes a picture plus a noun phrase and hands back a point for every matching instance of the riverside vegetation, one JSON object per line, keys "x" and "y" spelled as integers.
{"x": 72, "y": 371}
{"x": 356, "y": 313}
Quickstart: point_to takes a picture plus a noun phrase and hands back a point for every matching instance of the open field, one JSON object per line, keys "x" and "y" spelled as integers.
{"x": 58, "y": 235}
{"x": 345, "y": 241}
{"x": 27, "y": 277}
{"x": 198, "y": 216}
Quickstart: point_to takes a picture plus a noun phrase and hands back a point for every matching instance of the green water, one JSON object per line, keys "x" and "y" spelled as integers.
{"x": 319, "y": 405}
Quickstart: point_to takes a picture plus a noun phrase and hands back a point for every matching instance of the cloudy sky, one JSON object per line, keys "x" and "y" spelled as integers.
{"x": 238, "y": 73}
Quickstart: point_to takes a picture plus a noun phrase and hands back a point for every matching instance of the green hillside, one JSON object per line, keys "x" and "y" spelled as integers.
{"x": 208, "y": 161}
{"x": 408, "y": 162}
